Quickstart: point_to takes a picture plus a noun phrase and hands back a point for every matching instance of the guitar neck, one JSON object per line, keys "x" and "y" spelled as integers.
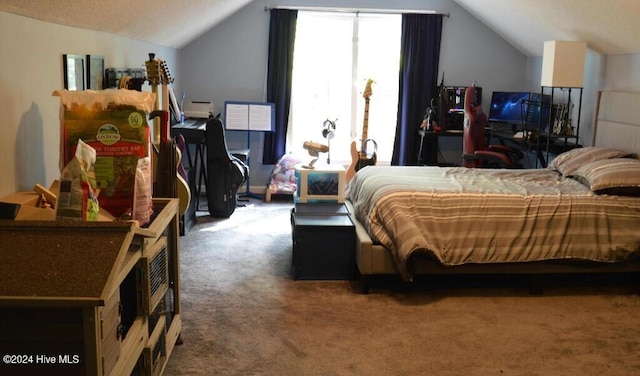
{"x": 165, "y": 132}
{"x": 365, "y": 122}
{"x": 159, "y": 78}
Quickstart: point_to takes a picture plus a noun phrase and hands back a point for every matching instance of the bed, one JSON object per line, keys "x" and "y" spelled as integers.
{"x": 580, "y": 214}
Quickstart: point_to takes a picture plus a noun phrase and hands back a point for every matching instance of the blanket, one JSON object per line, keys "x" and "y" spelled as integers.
{"x": 460, "y": 215}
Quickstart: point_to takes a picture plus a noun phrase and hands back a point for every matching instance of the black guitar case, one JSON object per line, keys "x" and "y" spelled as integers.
{"x": 225, "y": 173}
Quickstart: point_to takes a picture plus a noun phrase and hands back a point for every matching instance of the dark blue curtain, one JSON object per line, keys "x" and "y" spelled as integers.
{"x": 282, "y": 34}
{"x": 419, "y": 57}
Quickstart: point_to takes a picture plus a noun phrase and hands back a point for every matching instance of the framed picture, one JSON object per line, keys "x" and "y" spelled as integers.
{"x": 95, "y": 72}
{"x": 73, "y": 71}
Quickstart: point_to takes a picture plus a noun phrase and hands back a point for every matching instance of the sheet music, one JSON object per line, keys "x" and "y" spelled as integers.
{"x": 259, "y": 118}
{"x": 237, "y": 117}
{"x": 247, "y": 116}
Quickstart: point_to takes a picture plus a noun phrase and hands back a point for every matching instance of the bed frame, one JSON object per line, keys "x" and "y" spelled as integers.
{"x": 617, "y": 125}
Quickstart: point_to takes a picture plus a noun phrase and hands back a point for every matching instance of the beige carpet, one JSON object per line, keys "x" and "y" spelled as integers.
{"x": 243, "y": 314}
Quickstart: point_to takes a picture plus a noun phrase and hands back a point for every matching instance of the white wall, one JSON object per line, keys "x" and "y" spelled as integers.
{"x": 229, "y": 62}
{"x": 30, "y": 71}
{"x": 621, "y": 73}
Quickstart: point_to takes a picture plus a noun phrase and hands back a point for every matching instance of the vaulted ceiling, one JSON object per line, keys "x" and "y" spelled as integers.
{"x": 171, "y": 23}
{"x": 608, "y": 26}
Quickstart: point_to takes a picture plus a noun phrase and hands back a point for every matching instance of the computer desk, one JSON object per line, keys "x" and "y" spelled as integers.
{"x": 537, "y": 143}
{"x": 435, "y": 135}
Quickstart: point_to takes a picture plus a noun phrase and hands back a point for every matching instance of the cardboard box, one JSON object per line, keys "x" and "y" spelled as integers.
{"x": 30, "y": 209}
{"x": 22, "y": 198}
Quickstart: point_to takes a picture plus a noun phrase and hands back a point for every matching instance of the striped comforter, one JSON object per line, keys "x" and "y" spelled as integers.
{"x": 461, "y": 215}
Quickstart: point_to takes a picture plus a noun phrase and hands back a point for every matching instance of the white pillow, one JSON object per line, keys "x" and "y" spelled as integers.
{"x": 619, "y": 176}
{"x": 569, "y": 161}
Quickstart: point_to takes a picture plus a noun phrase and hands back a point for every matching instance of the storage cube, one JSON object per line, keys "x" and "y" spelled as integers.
{"x": 323, "y": 246}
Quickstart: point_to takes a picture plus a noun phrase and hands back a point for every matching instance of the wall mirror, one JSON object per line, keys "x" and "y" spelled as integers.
{"x": 95, "y": 72}
{"x": 73, "y": 71}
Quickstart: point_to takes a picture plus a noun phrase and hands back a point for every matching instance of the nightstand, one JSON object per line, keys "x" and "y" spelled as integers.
{"x": 323, "y": 242}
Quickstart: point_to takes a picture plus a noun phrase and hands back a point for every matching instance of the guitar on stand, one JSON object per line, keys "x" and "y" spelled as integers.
{"x": 428, "y": 125}
{"x": 182, "y": 185}
{"x": 367, "y": 154}
{"x": 167, "y": 162}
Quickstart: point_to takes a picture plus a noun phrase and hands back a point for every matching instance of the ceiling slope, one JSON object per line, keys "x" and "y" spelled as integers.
{"x": 162, "y": 22}
{"x": 609, "y": 27}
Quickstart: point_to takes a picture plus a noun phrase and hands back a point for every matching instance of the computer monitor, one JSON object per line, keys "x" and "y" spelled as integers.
{"x": 509, "y": 107}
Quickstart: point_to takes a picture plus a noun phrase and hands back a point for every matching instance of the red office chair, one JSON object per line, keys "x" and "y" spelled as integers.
{"x": 475, "y": 152}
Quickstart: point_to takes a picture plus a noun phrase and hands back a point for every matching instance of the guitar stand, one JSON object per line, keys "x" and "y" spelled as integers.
{"x": 239, "y": 200}
{"x": 421, "y": 132}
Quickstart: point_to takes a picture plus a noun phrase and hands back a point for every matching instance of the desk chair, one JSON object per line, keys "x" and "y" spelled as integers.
{"x": 475, "y": 151}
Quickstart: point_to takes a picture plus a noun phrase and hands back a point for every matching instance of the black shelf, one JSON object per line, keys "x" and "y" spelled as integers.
{"x": 562, "y": 133}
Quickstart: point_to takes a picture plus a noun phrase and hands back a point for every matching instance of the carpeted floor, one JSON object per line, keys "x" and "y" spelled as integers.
{"x": 243, "y": 314}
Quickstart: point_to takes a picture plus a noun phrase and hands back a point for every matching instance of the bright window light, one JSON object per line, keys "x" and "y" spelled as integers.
{"x": 334, "y": 56}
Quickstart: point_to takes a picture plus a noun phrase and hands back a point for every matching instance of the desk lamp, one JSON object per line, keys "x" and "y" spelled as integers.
{"x": 314, "y": 150}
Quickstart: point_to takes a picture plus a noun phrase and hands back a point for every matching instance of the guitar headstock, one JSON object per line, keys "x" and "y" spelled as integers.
{"x": 157, "y": 71}
{"x": 166, "y": 76}
{"x": 153, "y": 70}
{"x": 367, "y": 90}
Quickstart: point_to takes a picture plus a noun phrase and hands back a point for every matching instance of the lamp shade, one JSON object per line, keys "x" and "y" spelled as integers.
{"x": 563, "y": 63}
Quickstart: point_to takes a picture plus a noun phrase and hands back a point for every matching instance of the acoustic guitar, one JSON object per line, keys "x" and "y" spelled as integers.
{"x": 184, "y": 193}
{"x": 168, "y": 163}
{"x": 367, "y": 154}
{"x": 182, "y": 187}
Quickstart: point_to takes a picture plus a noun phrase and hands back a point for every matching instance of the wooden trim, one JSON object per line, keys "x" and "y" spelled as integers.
{"x": 92, "y": 358}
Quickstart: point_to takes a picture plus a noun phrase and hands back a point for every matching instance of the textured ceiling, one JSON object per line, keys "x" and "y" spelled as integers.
{"x": 608, "y": 26}
{"x": 166, "y": 23}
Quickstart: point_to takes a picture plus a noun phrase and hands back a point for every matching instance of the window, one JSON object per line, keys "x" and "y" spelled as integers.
{"x": 334, "y": 56}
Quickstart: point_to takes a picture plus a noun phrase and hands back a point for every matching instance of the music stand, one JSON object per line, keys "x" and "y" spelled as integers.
{"x": 249, "y": 117}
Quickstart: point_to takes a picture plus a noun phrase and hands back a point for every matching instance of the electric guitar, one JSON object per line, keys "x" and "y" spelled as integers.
{"x": 367, "y": 154}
